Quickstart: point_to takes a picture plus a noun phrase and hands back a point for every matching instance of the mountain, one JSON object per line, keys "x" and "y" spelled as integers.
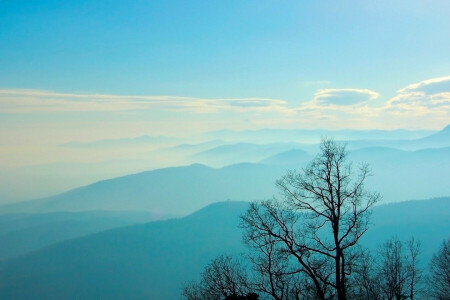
{"x": 313, "y": 136}
{"x": 355, "y": 140}
{"x": 23, "y": 233}
{"x": 398, "y": 176}
{"x": 143, "y": 153}
{"x": 438, "y": 139}
{"x": 189, "y": 148}
{"x": 401, "y": 175}
{"x": 425, "y": 220}
{"x": 148, "y": 261}
{"x": 154, "y": 260}
{"x": 169, "y": 191}
{"x": 293, "y": 157}
{"x": 243, "y": 152}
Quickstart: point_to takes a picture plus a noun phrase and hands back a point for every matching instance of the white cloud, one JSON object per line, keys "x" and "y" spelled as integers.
{"x": 344, "y": 96}
{"x": 429, "y": 86}
{"x": 425, "y": 104}
{"x": 430, "y": 96}
{"x": 29, "y": 101}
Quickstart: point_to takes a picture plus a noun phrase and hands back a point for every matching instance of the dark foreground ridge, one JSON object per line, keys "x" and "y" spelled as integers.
{"x": 154, "y": 260}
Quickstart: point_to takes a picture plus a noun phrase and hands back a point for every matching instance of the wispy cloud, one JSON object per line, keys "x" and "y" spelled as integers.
{"x": 342, "y": 107}
{"x": 426, "y": 104}
{"x": 344, "y": 96}
{"x": 430, "y": 96}
{"x": 29, "y": 101}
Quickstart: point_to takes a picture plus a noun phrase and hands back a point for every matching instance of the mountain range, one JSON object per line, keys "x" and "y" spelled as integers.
{"x": 154, "y": 260}
{"x": 398, "y": 175}
{"x": 22, "y": 233}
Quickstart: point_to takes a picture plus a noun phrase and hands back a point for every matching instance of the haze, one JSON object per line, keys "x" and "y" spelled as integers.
{"x": 114, "y": 113}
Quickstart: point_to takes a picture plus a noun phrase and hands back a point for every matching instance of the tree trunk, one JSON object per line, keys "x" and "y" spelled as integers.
{"x": 340, "y": 280}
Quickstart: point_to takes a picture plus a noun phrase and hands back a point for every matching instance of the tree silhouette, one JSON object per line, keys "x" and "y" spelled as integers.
{"x": 439, "y": 283}
{"x": 303, "y": 244}
{"x": 392, "y": 273}
{"x": 322, "y": 214}
{"x": 223, "y": 278}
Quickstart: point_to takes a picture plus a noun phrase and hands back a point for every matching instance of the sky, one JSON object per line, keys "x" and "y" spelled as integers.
{"x": 91, "y": 70}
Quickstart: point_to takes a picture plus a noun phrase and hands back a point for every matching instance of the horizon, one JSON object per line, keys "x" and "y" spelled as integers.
{"x": 217, "y": 149}
{"x": 86, "y": 72}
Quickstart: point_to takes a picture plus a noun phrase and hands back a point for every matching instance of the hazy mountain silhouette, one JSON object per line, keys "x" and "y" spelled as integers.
{"x": 242, "y": 152}
{"x": 23, "y": 233}
{"x": 291, "y": 158}
{"x": 399, "y": 175}
{"x": 426, "y": 220}
{"x": 313, "y": 136}
{"x": 254, "y": 152}
{"x": 196, "y": 147}
{"x": 152, "y": 261}
{"x": 439, "y": 139}
{"x": 177, "y": 190}
{"x": 147, "y": 153}
{"x": 402, "y": 175}
{"x": 148, "y": 261}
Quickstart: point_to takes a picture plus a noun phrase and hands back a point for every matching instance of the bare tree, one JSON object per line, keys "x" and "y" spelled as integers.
{"x": 224, "y": 278}
{"x": 392, "y": 273}
{"x": 392, "y": 277}
{"x": 398, "y": 274}
{"x": 439, "y": 283}
{"x": 415, "y": 273}
{"x": 364, "y": 282}
{"x": 323, "y": 213}
{"x": 272, "y": 272}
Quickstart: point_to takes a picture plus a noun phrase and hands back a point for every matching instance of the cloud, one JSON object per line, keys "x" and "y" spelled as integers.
{"x": 29, "y": 101}
{"x": 344, "y": 96}
{"x": 429, "y": 86}
{"x": 431, "y": 96}
{"x": 424, "y": 104}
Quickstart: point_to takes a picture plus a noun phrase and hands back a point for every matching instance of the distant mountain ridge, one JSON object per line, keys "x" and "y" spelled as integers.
{"x": 251, "y": 151}
{"x": 23, "y": 233}
{"x": 269, "y": 135}
{"x": 442, "y": 135}
{"x": 141, "y": 154}
{"x": 176, "y": 190}
{"x": 154, "y": 260}
{"x": 289, "y": 158}
{"x": 398, "y": 175}
{"x": 243, "y": 152}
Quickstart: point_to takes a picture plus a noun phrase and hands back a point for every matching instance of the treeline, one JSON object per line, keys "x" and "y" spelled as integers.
{"x": 392, "y": 272}
{"x": 304, "y": 244}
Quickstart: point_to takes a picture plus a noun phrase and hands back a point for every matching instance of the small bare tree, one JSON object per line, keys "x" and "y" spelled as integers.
{"x": 392, "y": 277}
{"x": 223, "y": 278}
{"x": 414, "y": 271}
{"x": 392, "y": 273}
{"x": 323, "y": 213}
{"x": 439, "y": 282}
{"x": 272, "y": 273}
{"x": 365, "y": 284}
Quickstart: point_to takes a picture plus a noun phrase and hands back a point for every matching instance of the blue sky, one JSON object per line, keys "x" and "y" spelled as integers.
{"x": 93, "y": 70}
{"x": 223, "y": 64}
{"x": 217, "y": 49}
